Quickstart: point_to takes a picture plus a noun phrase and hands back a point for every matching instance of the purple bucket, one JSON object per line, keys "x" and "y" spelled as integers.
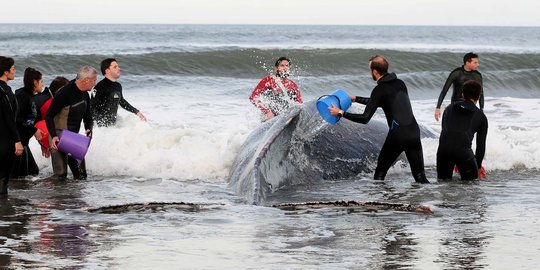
{"x": 74, "y": 144}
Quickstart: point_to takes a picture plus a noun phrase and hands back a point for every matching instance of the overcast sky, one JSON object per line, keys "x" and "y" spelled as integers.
{"x": 362, "y": 12}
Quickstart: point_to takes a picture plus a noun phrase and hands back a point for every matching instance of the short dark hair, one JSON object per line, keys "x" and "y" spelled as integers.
{"x": 469, "y": 56}
{"x": 282, "y": 59}
{"x": 105, "y": 64}
{"x": 30, "y": 76}
{"x": 379, "y": 64}
{"x": 471, "y": 90}
{"x": 5, "y": 64}
{"x": 57, "y": 83}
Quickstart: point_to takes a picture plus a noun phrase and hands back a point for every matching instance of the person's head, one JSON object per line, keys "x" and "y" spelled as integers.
{"x": 471, "y": 90}
{"x": 86, "y": 78}
{"x": 7, "y": 68}
{"x": 110, "y": 69}
{"x": 282, "y": 66}
{"x": 33, "y": 80}
{"x": 57, "y": 83}
{"x": 378, "y": 66}
{"x": 470, "y": 61}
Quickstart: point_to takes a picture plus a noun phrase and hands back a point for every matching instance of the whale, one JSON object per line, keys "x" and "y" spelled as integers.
{"x": 298, "y": 147}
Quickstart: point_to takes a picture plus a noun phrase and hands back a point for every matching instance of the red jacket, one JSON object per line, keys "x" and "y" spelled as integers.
{"x": 269, "y": 88}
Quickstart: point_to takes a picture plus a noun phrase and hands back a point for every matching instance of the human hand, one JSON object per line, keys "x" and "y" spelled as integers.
{"x": 18, "y": 148}
{"x": 334, "y": 111}
{"x": 269, "y": 115}
{"x": 482, "y": 173}
{"x": 352, "y": 97}
{"x": 45, "y": 152}
{"x": 54, "y": 142}
{"x": 141, "y": 116}
{"x": 437, "y": 114}
{"x": 38, "y": 135}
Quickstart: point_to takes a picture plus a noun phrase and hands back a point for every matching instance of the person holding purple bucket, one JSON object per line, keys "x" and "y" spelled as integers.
{"x": 70, "y": 106}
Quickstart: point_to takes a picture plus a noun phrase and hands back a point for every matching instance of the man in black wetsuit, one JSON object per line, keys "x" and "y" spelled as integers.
{"x": 461, "y": 120}
{"x": 69, "y": 107}
{"x": 109, "y": 95}
{"x": 404, "y": 135}
{"x": 469, "y": 71}
{"x": 10, "y": 142}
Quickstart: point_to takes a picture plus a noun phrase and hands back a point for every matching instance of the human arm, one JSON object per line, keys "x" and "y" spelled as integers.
{"x": 363, "y": 118}
{"x": 449, "y": 81}
{"x": 481, "y": 136}
{"x": 261, "y": 87}
{"x": 57, "y": 105}
{"x": 26, "y": 115}
{"x": 361, "y": 100}
{"x": 87, "y": 117}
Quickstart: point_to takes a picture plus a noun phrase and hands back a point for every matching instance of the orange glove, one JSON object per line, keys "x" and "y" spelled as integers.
{"x": 482, "y": 173}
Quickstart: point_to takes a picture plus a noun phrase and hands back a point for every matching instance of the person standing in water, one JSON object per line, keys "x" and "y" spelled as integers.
{"x": 10, "y": 142}
{"x": 68, "y": 108}
{"x": 404, "y": 134}
{"x": 275, "y": 94}
{"x": 26, "y": 119}
{"x": 109, "y": 95}
{"x": 469, "y": 71}
{"x": 461, "y": 121}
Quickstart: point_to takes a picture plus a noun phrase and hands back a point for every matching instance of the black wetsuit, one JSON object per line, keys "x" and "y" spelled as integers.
{"x": 461, "y": 120}
{"x": 404, "y": 135}
{"x": 457, "y": 78}
{"x": 8, "y": 134}
{"x": 69, "y": 107}
{"x": 106, "y": 100}
{"x": 26, "y": 119}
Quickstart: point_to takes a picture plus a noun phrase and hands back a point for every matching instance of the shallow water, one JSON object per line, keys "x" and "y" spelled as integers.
{"x": 489, "y": 224}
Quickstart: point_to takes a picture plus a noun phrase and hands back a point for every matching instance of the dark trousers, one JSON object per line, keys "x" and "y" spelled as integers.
{"x": 463, "y": 158}
{"x": 402, "y": 139}
{"x": 7, "y": 155}
{"x": 25, "y": 164}
{"x": 61, "y": 161}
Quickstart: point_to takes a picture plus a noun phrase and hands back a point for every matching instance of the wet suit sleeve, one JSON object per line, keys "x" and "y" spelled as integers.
{"x": 481, "y": 101}
{"x": 451, "y": 78}
{"x": 9, "y": 117}
{"x": 56, "y": 106}
{"x": 370, "y": 109}
{"x": 87, "y": 118}
{"x": 259, "y": 89}
{"x": 481, "y": 142}
{"x": 124, "y": 104}
{"x": 361, "y": 100}
{"x": 27, "y": 114}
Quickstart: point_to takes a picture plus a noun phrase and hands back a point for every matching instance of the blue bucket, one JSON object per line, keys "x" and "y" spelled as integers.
{"x": 339, "y": 98}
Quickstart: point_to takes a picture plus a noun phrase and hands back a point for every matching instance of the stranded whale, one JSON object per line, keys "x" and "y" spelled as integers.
{"x": 298, "y": 147}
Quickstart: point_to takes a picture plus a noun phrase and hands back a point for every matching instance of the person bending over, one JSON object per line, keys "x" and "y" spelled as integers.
{"x": 461, "y": 121}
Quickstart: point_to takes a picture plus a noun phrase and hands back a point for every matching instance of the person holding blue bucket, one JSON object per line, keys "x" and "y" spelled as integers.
{"x": 68, "y": 108}
{"x": 404, "y": 134}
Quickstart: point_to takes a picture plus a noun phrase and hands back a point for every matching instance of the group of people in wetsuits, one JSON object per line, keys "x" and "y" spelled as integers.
{"x": 44, "y": 114}
{"x": 461, "y": 120}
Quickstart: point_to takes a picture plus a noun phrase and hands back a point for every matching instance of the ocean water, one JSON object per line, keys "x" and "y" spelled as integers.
{"x": 192, "y": 83}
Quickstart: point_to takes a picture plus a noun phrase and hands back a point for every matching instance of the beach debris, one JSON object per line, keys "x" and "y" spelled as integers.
{"x": 356, "y": 205}
{"x": 153, "y": 206}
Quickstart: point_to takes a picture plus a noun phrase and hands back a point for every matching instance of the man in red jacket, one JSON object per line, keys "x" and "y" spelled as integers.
{"x": 275, "y": 94}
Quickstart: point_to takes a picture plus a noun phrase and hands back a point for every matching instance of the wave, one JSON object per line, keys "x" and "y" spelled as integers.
{"x": 314, "y": 69}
